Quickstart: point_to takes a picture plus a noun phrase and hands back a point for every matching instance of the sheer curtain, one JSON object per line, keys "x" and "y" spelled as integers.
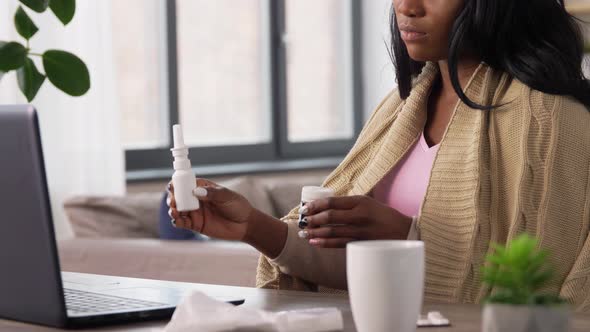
{"x": 81, "y": 136}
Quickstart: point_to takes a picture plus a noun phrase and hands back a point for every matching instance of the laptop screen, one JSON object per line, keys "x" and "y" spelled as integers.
{"x": 30, "y": 286}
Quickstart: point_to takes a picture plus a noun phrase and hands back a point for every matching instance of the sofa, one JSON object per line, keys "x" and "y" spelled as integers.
{"x": 118, "y": 235}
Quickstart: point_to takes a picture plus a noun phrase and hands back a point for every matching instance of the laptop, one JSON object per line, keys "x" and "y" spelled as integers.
{"x": 32, "y": 287}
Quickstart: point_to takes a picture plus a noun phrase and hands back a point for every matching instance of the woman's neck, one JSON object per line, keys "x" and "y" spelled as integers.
{"x": 465, "y": 69}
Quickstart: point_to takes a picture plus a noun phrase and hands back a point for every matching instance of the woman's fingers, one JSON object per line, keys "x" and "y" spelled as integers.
{"x": 331, "y": 217}
{"x": 213, "y": 193}
{"x": 333, "y": 232}
{"x": 206, "y": 191}
{"x": 173, "y": 213}
{"x": 170, "y": 199}
{"x": 205, "y": 182}
{"x": 184, "y": 222}
{"x": 331, "y": 243}
{"x": 198, "y": 220}
{"x": 333, "y": 203}
{"x": 193, "y": 220}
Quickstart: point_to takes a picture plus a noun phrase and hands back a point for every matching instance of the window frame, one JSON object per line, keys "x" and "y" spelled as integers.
{"x": 156, "y": 162}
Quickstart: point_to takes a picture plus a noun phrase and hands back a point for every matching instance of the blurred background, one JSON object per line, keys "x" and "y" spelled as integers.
{"x": 275, "y": 88}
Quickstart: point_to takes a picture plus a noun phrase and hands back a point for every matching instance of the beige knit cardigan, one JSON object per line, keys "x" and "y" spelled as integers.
{"x": 522, "y": 167}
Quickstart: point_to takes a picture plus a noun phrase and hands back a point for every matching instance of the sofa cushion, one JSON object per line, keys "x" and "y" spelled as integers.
{"x": 253, "y": 191}
{"x": 137, "y": 215}
{"x": 130, "y": 216}
{"x": 211, "y": 262}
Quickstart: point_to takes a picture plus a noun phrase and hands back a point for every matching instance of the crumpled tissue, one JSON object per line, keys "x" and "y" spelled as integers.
{"x": 198, "y": 312}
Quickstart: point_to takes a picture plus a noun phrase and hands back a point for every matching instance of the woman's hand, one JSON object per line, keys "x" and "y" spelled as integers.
{"x": 335, "y": 221}
{"x": 223, "y": 214}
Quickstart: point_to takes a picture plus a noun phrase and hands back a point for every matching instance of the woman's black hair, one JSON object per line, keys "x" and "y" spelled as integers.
{"x": 536, "y": 41}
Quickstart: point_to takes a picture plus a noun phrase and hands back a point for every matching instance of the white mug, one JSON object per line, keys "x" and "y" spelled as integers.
{"x": 385, "y": 284}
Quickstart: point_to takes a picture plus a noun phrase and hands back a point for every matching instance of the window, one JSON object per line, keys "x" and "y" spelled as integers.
{"x": 249, "y": 80}
{"x": 141, "y": 71}
{"x": 319, "y": 93}
{"x": 223, "y": 67}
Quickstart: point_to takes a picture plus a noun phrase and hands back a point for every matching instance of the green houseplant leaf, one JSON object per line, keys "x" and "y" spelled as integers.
{"x": 24, "y": 25}
{"x": 12, "y": 56}
{"x": 29, "y": 79}
{"x": 1, "y": 72}
{"x": 518, "y": 272}
{"x": 64, "y": 70}
{"x": 37, "y": 5}
{"x": 63, "y": 9}
{"x": 67, "y": 72}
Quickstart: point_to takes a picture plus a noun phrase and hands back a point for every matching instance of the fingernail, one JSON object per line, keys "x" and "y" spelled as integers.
{"x": 170, "y": 213}
{"x": 303, "y": 210}
{"x": 314, "y": 242}
{"x": 168, "y": 200}
{"x": 303, "y": 234}
{"x": 200, "y": 192}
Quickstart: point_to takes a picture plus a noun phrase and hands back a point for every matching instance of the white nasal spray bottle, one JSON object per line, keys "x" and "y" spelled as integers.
{"x": 183, "y": 179}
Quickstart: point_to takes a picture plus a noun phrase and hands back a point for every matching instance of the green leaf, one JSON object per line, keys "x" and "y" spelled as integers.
{"x": 67, "y": 72}
{"x": 497, "y": 260}
{"x": 12, "y": 56}
{"x": 547, "y": 299}
{"x": 63, "y": 9}
{"x": 504, "y": 297}
{"x": 37, "y": 5}
{"x": 517, "y": 271}
{"x": 29, "y": 79}
{"x": 24, "y": 25}
{"x": 1, "y": 72}
{"x": 537, "y": 281}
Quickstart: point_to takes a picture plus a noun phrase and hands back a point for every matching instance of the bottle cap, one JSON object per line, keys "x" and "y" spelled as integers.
{"x": 311, "y": 193}
{"x": 178, "y": 137}
{"x": 179, "y": 151}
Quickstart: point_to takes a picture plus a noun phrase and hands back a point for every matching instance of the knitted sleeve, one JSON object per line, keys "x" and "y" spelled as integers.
{"x": 576, "y": 287}
{"x": 311, "y": 261}
{"x": 268, "y": 274}
{"x": 564, "y": 225}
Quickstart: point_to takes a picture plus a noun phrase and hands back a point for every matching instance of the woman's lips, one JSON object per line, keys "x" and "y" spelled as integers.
{"x": 409, "y": 35}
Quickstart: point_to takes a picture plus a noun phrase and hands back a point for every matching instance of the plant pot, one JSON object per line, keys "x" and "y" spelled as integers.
{"x": 513, "y": 318}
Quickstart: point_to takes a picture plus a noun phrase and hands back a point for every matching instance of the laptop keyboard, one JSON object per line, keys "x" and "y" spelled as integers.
{"x": 81, "y": 302}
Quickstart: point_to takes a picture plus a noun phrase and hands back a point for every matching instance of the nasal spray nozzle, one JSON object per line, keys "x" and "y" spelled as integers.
{"x": 183, "y": 178}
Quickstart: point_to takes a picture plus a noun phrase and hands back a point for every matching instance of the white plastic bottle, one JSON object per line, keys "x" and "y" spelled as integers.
{"x": 183, "y": 178}
{"x": 311, "y": 193}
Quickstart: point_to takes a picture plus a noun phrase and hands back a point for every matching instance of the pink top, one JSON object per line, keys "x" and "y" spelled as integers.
{"x": 405, "y": 186}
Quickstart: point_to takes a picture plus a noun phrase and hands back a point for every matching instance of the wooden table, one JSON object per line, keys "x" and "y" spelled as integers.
{"x": 464, "y": 318}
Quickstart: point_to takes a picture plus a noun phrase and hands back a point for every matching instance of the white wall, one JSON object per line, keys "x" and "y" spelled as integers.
{"x": 378, "y": 74}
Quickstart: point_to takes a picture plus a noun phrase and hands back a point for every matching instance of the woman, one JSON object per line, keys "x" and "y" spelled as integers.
{"x": 488, "y": 136}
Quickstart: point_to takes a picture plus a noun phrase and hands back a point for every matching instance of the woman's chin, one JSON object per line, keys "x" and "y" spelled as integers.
{"x": 422, "y": 55}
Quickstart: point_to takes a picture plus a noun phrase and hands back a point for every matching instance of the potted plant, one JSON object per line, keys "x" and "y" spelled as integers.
{"x": 517, "y": 273}
{"x": 64, "y": 70}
